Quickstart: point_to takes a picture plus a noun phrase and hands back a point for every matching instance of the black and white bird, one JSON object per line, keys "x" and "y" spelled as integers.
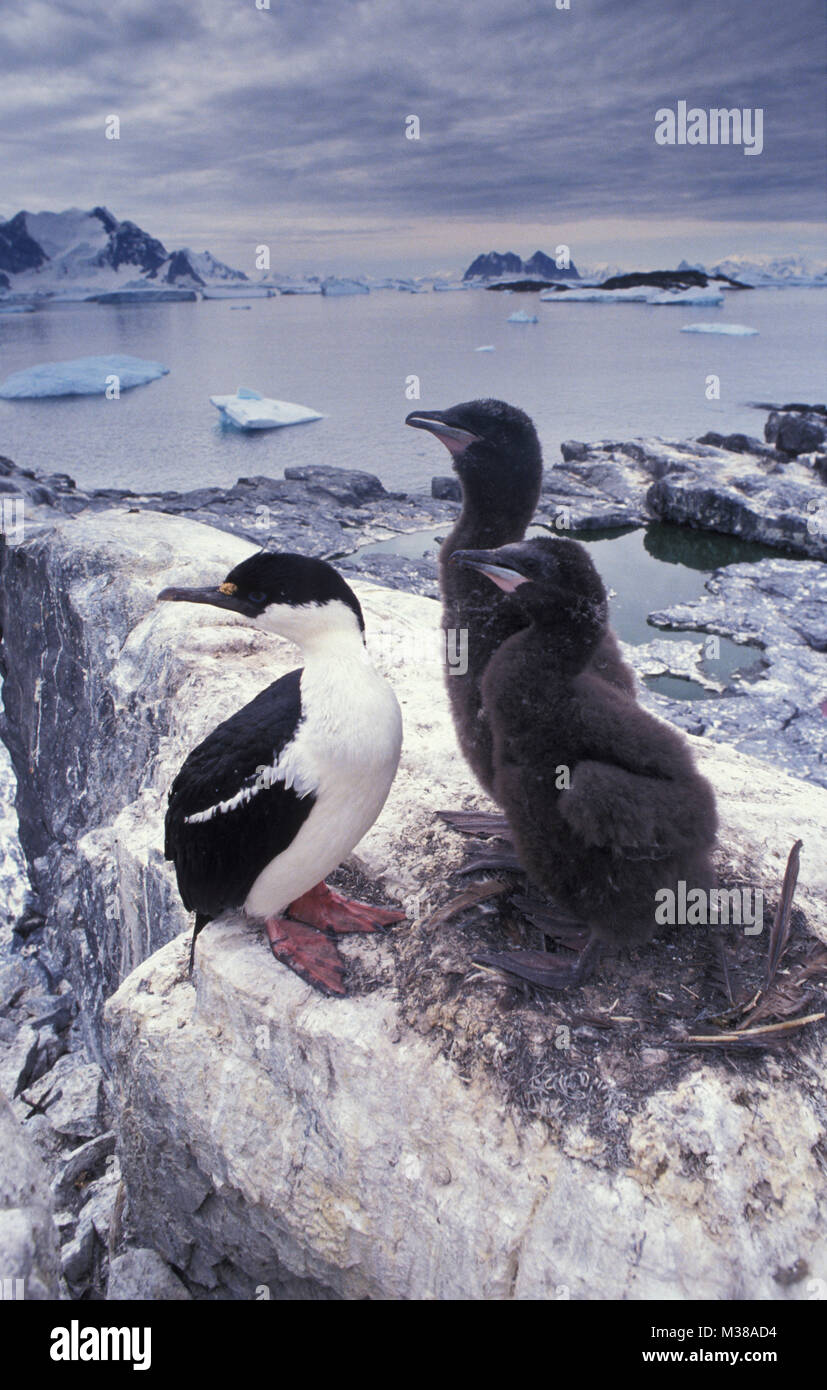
{"x": 281, "y": 792}
{"x": 604, "y": 801}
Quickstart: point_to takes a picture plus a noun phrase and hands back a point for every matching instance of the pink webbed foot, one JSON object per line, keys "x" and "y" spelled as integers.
{"x": 324, "y": 908}
{"x": 310, "y": 953}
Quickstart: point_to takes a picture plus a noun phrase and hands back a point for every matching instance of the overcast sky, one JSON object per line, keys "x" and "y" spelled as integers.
{"x": 241, "y": 125}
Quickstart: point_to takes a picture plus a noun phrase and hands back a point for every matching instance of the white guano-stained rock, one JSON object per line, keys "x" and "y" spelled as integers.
{"x": 272, "y": 1140}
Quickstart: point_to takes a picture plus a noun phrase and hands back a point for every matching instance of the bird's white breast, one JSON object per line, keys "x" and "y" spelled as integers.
{"x": 346, "y": 750}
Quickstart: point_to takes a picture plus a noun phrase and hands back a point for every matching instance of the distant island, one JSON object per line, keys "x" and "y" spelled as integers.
{"x": 82, "y": 254}
{"x": 492, "y": 265}
{"x": 56, "y": 249}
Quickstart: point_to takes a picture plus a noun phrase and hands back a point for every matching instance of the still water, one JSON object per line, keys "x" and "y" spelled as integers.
{"x": 643, "y": 569}
{"x": 585, "y": 371}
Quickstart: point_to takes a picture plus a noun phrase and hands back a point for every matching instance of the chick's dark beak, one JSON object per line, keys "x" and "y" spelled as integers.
{"x": 487, "y": 563}
{"x": 219, "y": 595}
{"x": 455, "y": 439}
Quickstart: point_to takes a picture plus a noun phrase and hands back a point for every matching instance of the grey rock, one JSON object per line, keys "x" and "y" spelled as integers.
{"x": 318, "y": 509}
{"x": 574, "y": 451}
{"x": 142, "y": 1274}
{"x": 18, "y": 1061}
{"x": 737, "y": 443}
{"x": 77, "y": 1254}
{"x": 53, "y": 1010}
{"x": 745, "y": 490}
{"x": 446, "y": 489}
{"x": 28, "y": 1237}
{"x": 796, "y": 433}
{"x": 344, "y": 484}
{"x": 66, "y": 1223}
{"x": 395, "y": 572}
{"x": 72, "y": 1096}
{"x": 99, "y": 1203}
{"x": 78, "y": 1110}
{"x": 16, "y": 979}
{"x": 760, "y": 508}
{"x": 51, "y": 1045}
{"x": 82, "y": 1164}
{"x": 49, "y": 1144}
{"x": 779, "y": 606}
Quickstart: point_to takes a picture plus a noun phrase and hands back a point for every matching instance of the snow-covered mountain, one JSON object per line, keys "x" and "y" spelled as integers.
{"x": 495, "y": 265}
{"x": 59, "y": 252}
{"x": 773, "y": 270}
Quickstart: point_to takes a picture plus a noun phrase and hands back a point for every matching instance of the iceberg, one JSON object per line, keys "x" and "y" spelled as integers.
{"x": 734, "y": 330}
{"x": 488, "y": 347}
{"x": 709, "y": 296}
{"x": 247, "y": 410}
{"x": 147, "y": 296}
{"x": 638, "y": 295}
{"x": 297, "y": 287}
{"x": 522, "y": 317}
{"x": 247, "y": 291}
{"x": 336, "y": 287}
{"x": 80, "y": 376}
{"x": 16, "y": 308}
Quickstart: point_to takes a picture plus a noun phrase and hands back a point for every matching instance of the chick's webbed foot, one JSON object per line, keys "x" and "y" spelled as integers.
{"x": 543, "y": 969}
{"x": 479, "y": 823}
{"x": 328, "y": 910}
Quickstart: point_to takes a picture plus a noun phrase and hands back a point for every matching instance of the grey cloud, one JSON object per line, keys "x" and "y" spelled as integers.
{"x": 527, "y": 111}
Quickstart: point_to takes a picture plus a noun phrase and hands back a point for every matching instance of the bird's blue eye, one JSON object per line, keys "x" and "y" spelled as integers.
{"x": 256, "y": 596}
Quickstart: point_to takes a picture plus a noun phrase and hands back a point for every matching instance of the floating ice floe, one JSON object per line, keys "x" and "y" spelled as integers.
{"x": 145, "y": 296}
{"x": 239, "y": 292}
{"x": 687, "y": 297}
{"x": 522, "y": 317}
{"x": 733, "y": 330}
{"x": 16, "y": 308}
{"x": 488, "y": 347}
{"x": 638, "y": 295}
{"x": 298, "y": 287}
{"x": 336, "y": 287}
{"x": 247, "y": 410}
{"x": 80, "y": 376}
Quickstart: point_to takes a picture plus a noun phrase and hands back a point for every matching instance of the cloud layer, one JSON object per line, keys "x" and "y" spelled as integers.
{"x": 241, "y": 125}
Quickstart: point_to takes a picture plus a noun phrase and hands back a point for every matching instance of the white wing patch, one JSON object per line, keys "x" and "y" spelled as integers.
{"x": 290, "y": 768}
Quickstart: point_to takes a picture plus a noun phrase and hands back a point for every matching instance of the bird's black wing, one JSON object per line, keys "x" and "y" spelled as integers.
{"x": 248, "y": 819}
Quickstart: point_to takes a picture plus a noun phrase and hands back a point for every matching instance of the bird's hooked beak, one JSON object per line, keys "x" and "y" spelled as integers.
{"x": 456, "y": 441}
{"x": 219, "y": 595}
{"x": 486, "y": 561}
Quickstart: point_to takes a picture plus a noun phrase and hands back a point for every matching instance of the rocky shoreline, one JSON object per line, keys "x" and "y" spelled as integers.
{"x": 81, "y": 576}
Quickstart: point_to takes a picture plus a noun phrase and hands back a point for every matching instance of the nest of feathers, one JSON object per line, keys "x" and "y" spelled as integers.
{"x": 594, "y": 1052}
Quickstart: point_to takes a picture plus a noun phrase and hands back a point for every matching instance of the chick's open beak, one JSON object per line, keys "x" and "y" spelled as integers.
{"x": 455, "y": 439}
{"x": 486, "y": 561}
